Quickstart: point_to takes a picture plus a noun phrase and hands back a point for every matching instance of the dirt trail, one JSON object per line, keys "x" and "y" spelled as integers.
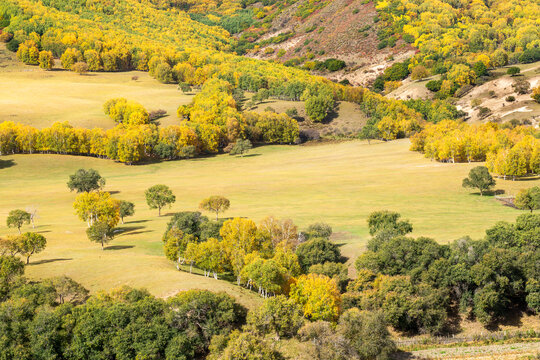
{"x": 491, "y": 352}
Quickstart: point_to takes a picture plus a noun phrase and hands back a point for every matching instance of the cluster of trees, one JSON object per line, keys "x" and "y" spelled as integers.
{"x": 507, "y": 152}
{"x": 418, "y": 282}
{"x": 55, "y": 319}
{"x": 272, "y": 257}
{"x": 97, "y": 208}
{"x": 458, "y": 39}
{"x": 126, "y": 112}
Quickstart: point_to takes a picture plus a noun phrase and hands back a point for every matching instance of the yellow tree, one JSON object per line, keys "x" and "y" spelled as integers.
{"x": 318, "y": 295}
{"x": 97, "y": 207}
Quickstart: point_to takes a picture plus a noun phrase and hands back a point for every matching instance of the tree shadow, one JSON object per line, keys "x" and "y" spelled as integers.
{"x": 512, "y": 317}
{"x": 4, "y": 164}
{"x": 248, "y": 155}
{"x": 114, "y": 192}
{"x": 119, "y": 247}
{"x": 136, "y": 221}
{"x": 45, "y": 261}
{"x": 140, "y": 232}
{"x": 43, "y": 231}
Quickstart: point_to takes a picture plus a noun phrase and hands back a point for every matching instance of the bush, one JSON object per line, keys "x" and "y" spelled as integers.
{"x": 80, "y": 67}
{"x": 521, "y": 86}
{"x": 434, "y": 85}
{"x": 510, "y": 98}
{"x": 514, "y": 70}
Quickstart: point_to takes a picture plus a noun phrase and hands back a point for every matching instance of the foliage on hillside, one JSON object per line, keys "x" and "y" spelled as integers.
{"x": 461, "y": 39}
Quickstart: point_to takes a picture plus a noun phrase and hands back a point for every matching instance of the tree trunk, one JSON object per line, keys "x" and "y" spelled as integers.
{"x": 159, "y": 211}
{"x": 217, "y": 213}
{"x": 28, "y": 260}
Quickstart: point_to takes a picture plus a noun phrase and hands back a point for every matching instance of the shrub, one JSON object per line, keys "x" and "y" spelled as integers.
{"x": 514, "y": 70}
{"x": 510, "y": 98}
{"x": 434, "y": 85}
{"x": 80, "y": 67}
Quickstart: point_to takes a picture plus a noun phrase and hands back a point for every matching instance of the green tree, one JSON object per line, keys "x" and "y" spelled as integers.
{"x": 318, "y": 106}
{"x": 17, "y": 218}
{"x": 126, "y": 208}
{"x": 479, "y": 178}
{"x": 204, "y": 314}
{"x": 248, "y": 346}
{"x": 100, "y": 232}
{"x": 388, "y": 220}
{"x": 215, "y": 204}
{"x": 241, "y": 147}
{"x": 29, "y": 244}
{"x": 278, "y": 315}
{"x": 85, "y": 181}
{"x": 317, "y": 251}
{"x": 159, "y": 196}
{"x": 68, "y": 290}
{"x": 528, "y": 199}
{"x": 367, "y": 334}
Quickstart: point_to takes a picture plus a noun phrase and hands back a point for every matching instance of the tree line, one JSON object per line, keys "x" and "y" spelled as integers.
{"x": 507, "y": 152}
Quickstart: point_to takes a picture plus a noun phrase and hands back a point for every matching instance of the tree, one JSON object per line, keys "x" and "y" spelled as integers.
{"x": 248, "y": 346}
{"x": 80, "y": 67}
{"x": 30, "y": 243}
{"x": 536, "y": 94}
{"x": 318, "y": 295}
{"x": 126, "y": 208}
{"x": 215, "y": 204}
{"x": 318, "y": 106}
{"x": 317, "y": 251}
{"x": 278, "y": 315}
{"x": 97, "y": 207}
{"x": 319, "y": 230}
{"x": 479, "y": 178}
{"x": 369, "y": 132}
{"x": 419, "y": 72}
{"x": 204, "y": 314}
{"x": 528, "y": 199}
{"x": 46, "y": 60}
{"x": 17, "y": 218}
{"x": 159, "y": 196}
{"x": 100, "y": 232}
{"x": 10, "y": 268}
{"x": 367, "y": 334}
{"x": 389, "y": 221}
{"x": 85, "y": 181}
{"x": 241, "y": 147}
{"x": 69, "y": 290}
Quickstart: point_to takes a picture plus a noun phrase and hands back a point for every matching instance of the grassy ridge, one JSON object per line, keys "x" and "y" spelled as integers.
{"x": 336, "y": 183}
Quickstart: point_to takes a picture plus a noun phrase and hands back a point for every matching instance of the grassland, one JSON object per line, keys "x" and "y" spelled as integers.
{"x": 39, "y": 98}
{"x": 336, "y": 183}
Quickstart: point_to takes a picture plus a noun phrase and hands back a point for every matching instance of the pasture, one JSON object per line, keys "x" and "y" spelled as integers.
{"x": 40, "y": 98}
{"x": 339, "y": 183}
